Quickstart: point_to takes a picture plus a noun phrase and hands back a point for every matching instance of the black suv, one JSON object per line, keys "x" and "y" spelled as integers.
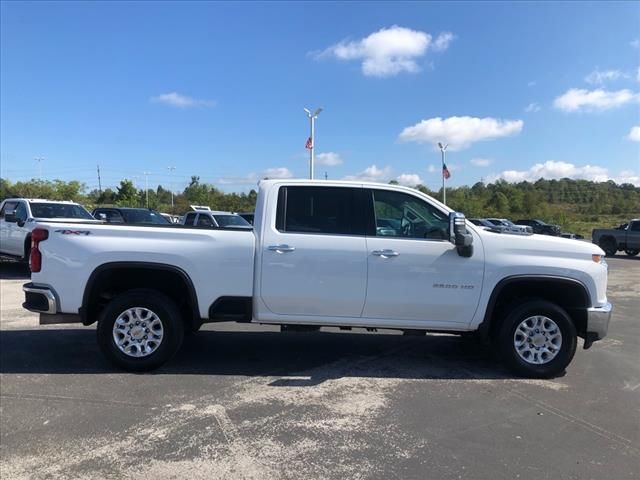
{"x": 140, "y": 216}
{"x": 539, "y": 226}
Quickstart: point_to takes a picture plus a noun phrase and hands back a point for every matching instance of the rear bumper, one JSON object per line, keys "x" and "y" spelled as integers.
{"x": 39, "y": 299}
{"x": 598, "y": 321}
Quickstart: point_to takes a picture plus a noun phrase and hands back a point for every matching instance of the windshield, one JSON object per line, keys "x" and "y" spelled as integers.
{"x": 58, "y": 210}
{"x": 231, "y": 221}
{"x": 144, "y": 216}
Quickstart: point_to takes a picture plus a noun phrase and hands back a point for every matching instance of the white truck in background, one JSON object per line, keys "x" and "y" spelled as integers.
{"x": 18, "y": 217}
{"x": 324, "y": 253}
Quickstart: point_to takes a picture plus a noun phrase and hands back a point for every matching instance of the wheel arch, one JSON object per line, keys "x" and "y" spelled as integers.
{"x": 568, "y": 293}
{"x": 169, "y": 279}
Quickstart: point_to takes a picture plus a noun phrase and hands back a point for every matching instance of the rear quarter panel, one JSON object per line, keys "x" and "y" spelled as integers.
{"x": 218, "y": 262}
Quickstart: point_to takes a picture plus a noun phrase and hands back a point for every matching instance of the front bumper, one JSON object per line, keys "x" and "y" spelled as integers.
{"x": 39, "y": 299}
{"x": 598, "y": 321}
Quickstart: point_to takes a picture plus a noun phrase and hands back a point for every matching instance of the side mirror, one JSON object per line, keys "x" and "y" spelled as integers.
{"x": 10, "y": 217}
{"x": 459, "y": 235}
{"x": 102, "y": 216}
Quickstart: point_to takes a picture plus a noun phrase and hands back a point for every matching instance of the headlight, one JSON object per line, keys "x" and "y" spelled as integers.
{"x": 599, "y": 259}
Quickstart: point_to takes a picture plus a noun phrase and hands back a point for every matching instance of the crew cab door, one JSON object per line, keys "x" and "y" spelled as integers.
{"x": 17, "y": 232}
{"x": 6, "y": 227}
{"x": 633, "y": 236}
{"x": 314, "y": 260}
{"x": 415, "y": 274}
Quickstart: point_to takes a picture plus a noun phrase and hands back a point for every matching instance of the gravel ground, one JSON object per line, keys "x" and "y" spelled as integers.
{"x": 243, "y": 401}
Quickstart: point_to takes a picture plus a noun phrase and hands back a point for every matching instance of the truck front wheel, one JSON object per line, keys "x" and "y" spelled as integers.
{"x": 537, "y": 339}
{"x": 140, "y": 330}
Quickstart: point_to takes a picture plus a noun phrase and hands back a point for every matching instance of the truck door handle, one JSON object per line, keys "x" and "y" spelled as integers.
{"x": 386, "y": 253}
{"x": 281, "y": 248}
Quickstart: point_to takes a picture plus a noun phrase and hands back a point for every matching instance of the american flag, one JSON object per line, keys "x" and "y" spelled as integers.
{"x": 309, "y": 143}
{"x": 445, "y": 171}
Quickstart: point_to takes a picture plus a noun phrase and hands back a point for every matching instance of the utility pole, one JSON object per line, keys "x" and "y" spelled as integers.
{"x": 171, "y": 169}
{"x": 99, "y": 182}
{"x": 146, "y": 186}
{"x": 39, "y": 160}
{"x": 311, "y": 142}
{"x": 443, "y": 149}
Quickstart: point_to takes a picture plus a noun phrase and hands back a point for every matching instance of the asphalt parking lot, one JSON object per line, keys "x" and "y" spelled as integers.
{"x": 241, "y": 403}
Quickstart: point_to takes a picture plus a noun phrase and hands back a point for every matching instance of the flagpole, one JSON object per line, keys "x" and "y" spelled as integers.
{"x": 443, "y": 149}
{"x": 312, "y": 141}
{"x": 313, "y": 146}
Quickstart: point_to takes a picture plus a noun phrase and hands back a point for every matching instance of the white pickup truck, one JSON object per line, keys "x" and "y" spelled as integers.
{"x": 322, "y": 253}
{"x": 18, "y": 217}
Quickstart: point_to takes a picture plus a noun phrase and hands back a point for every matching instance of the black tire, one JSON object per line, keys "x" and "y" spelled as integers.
{"x": 609, "y": 246}
{"x": 507, "y": 330}
{"x": 632, "y": 253}
{"x": 172, "y": 325}
{"x": 26, "y": 259}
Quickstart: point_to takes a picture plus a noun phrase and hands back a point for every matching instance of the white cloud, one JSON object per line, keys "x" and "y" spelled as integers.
{"x": 552, "y": 169}
{"x": 628, "y": 176}
{"x": 635, "y": 43}
{"x": 409, "y": 179}
{"x": 442, "y": 41}
{"x": 280, "y": 172}
{"x": 634, "y": 134}
{"x": 330, "y": 159}
{"x": 460, "y": 132}
{"x": 578, "y": 99}
{"x": 253, "y": 178}
{"x": 389, "y": 51}
{"x": 372, "y": 174}
{"x": 432, "y": 168}
{"x": 176, "y": 99}
{"x": 599, "y": 77}
{"x": 481, "y": 162}
{"x": 533, "y": 107}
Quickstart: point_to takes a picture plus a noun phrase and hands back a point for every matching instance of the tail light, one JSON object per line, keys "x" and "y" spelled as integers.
{"x": 38, "y": 235}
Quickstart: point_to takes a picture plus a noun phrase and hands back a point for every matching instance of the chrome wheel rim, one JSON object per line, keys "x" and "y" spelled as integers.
{"x": 537, "y": 340}
{"x": 138, "y": 332}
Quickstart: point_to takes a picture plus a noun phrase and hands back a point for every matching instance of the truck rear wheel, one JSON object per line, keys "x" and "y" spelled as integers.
{"x": 140, "y": 330}
{"x": 609, "y": 246}
{"x": 537, "y": 339}
{"x": 632, "y": 253}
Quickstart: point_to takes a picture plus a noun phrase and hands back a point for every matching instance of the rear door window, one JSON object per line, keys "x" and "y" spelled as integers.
{"x": 320, "y": 210}
{"x": 190, "y": 218}
{"x": 205, "y": 221}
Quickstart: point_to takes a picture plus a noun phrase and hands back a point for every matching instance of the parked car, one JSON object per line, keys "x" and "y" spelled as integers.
{"x": 18, "y": 216}
{"x": 483, "y": 222}
{"x": 137, "y": 216}
{"x": 209, "y": 218}
{"x": 248, "y": 216}
{"x": 541, "y": 227}
{"x": 316, "y": 258}
{"x": 510, "y": 226}
{"x": 612, "y": 240}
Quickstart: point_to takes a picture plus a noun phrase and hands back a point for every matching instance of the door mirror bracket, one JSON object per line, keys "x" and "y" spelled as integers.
{"x": 459, "y": 235}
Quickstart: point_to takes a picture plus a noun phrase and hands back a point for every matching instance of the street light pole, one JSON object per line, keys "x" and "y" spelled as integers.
{"x": 39, "y": 160}
{"x": 311, "y": 143}
{"x": 443, "y": 149}
{"x": 146, "y": 186}
{"x": 171, "y": 169}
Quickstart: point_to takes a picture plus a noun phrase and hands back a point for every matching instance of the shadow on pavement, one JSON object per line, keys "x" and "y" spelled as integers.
{"x": 321, "y": 355}
{"x": 11, "y": 270}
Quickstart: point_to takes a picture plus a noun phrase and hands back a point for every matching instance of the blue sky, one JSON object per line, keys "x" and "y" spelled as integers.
{"x": 519, "y": 90}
